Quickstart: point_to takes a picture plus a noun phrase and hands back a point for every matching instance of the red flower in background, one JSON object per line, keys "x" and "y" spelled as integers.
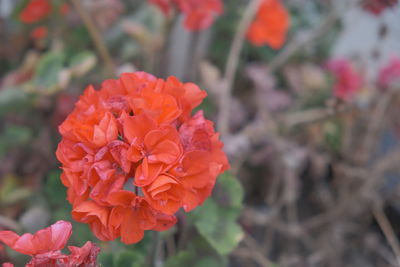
{"x": 64, "y": 9}
{"x": 347, "y": 80}
{"x": 45, "y": 247}
{"x": 270, "y": 25}
{"x": 376, "y": 7}
{"x": 132, "y": 155}
{"x": 39, "y": 33}
{"x": 199, "y": 15}
{"x": 390, "y": 73}
{"x": 35, "y": 10}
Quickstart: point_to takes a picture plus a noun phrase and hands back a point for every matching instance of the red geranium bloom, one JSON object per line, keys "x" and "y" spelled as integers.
{"x": 35, "y": 10}
{"x": 348, "y": 80}
{"x": 270, "y": 25}
{"x": 376, "y": 7}
{"x": 65, "y": 9}
{"x": 164, "y": 5}
{"x": 39, "y": 33}
{"x": 390, "y": 73}
{"x": 45, "y": 247}
{"x": 199, "y": 15}
{"x": 132, "y": 155}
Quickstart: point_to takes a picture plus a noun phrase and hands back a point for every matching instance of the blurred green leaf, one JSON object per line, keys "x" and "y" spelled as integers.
{"x": 11, "y": 192}
{"x": 194, "y": 257}
{"x": 333, "y": 133}
{"x": 229, "y": 192}
{"x": 82, "y": 63}
{"x": 183, "y": 258}
{"x": 14, "y": 136}
{"x": 216, "y": 218}
{"x": 47, "y": 73}
{"x": 129, "y": 259}
{"x": 106, "y": 259}
{"x": 54, "y": 189}
{"x": 13, "y": 100}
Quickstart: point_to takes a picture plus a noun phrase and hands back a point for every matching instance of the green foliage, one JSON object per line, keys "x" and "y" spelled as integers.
{"x": 11, "y": 192}
{"x": 48, "y": 70}
{"x": 216, "y": 219}
{"x": 54, "y": 189}
{"x": 189, "y": 258}
{"x": 13, "y": 100}
{"x": 82, "y": 62}
{"x": 124, "y": 258}
{"x": 333, "y": 133}
{"x": 14, "y": 136}
{"x": 198, "y": 253}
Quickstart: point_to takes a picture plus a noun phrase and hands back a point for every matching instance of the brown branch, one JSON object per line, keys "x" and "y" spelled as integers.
{"x": 375, "y": 123}
{"x": 232, "y": 65}
{"x": 302, "y": 39}
{"x": 387, "y": 230}
{"x": 96, "y": 37}
{"x": 314, "y": 115}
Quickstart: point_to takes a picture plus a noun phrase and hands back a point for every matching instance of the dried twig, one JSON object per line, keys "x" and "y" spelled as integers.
{"x": 387, "y": 230}
{"x": 302, "y": 39}
{"x": 254, "y": 252}
{"x": 232, "y": 65}
{"x": 95, "y": 35}
{"x": 376, "y": 121}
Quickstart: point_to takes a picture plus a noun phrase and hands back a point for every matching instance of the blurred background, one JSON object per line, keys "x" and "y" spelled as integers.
{"x": 311, "y": 128}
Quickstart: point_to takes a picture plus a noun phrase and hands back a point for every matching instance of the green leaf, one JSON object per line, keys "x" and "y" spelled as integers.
{"x": 129, "y": 259}
{"x": 229, "y": 192}
{"x": 54, "y": 188}
{"x": 195, "y": 258}
{"x": 14, "y": 136}
{"x": 333, "y": 133}
{"x": 47, "y": 73}
{"x": 221, "y": 231}
{"x": 215, "y": 220}
{"x": 11, "y": 192}
{"x": 13, "y": 100}
{"x": 183, "y": 258}
{"x": 82, "y": 63}
{"x": 106, "y": 259}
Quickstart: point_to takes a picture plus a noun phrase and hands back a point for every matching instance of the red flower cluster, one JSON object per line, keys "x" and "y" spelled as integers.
{"x": 348, "y": 80}
{"x": 39, "y": 33}
{"x": 37, "y": 10}
{"x": 270, "y": 25}
{"x": 390, "y": 73}
{"x": 376, "y": 7}
{"x": 34, "y": 11}
{"x": 199, "y": 15}
{"x": 132, "y": 155}
{"x": 45, "y": 247}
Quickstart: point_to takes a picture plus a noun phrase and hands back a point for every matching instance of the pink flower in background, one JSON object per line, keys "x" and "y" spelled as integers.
{"x": 390, "y": 73}
{"x": 347, "y": 80}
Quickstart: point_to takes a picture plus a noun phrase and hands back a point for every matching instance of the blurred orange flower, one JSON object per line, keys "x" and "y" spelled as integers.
{"x": 35, "y": 10}
{"x": 270, "y": 25}
{"x": 133, "y": 155}
{"x": 39, "y": 32}
{"x": 199, "y": 15}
